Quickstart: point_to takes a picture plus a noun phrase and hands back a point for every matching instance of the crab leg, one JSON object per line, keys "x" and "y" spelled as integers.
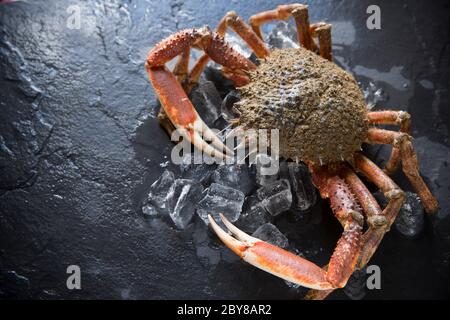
{"x": 231, "y": 19}
{"x": 348, "y": 212}
{"x": 181, "y": 69}
{"x": 375, "y": 219}
{"x": 298, "y": 270}
{"x": 322, "y": 31}
{"x": 182, "y": 114}
{"x": 379, "y": 226}
{"x": 400, "y": 118}
{"x": 196, "y": 71}
{"x": 284, "y": 12}
{"x": 174, "y": 100}
{"x": 410, "y": 164}
{"x": 272, "y": 259}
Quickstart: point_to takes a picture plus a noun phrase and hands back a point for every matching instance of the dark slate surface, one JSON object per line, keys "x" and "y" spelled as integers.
{"x": 79, "y": 147}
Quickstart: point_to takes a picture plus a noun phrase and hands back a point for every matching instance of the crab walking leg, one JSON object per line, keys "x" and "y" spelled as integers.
{"x": 196, "y": 71}
{"x": 322, "y": 31}
{"x": 400, "y": 118}
{"x": 301, "y": 18}
{"x": 369, "y": 205}
{"x": 347, "y": 211}
{"x": 231, "y": 19}
{"x": 410, "y": 164}
{"x": 284, "y": 12}
{"x": 371, "y": 209}
{"x": 396, "y": 197}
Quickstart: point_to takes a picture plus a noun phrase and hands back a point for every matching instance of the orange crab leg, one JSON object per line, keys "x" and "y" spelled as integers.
{"x": 347, "y": 211}
{"x": 400, "y": 118}
{"x": 284, "y": 12}
{"x": 272, "y": 259}
{"x": 174, "y": 100}
{"x": 181, "y": 69}
{"x": 381, "y": 224}
{"x": 196, "y": 71}
{"x": 296, "y": 269}
{"x": 305, "y": 31}
{"x": 181, "y": 112}
{"x": 322, "y": 31}
{"x": 370, "y": 206}
{"x": 231, "y": 19}
{"x": 375, "y": 218}
{"x": 409, "y": 163}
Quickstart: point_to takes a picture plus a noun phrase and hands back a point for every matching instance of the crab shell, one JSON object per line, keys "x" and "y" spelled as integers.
{"x": 318, "y": 107}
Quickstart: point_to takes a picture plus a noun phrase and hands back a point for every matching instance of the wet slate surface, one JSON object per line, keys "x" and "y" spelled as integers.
{"x": 80, "y": 145}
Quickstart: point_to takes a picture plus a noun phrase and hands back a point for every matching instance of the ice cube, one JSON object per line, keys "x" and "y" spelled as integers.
{"x": 253, "y": 215}
{"x": 355, "y": 288}
{"x": 181, "y": 201}
{"x": 207, "y": 101}
{"x": 269, "y": 233}
{"x": 236, "y": 176}
{"x": 266, "y": 169}
{"x": 276, "y": 197}
{"x": 158, "y": 193}
{"x": 193, "y": 167}
{"x": 410, "y": 219}
{"x": 303, "y": 191}
{"x": 220, "y": 199}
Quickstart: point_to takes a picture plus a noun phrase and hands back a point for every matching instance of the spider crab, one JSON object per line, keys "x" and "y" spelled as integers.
{"x": 323, "y": 123}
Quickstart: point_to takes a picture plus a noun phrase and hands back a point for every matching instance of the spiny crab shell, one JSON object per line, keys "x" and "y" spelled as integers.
{"x": 318, "y": 107}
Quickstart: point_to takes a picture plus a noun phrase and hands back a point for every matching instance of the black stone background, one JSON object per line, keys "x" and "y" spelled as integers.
{"x": 80, "y": 145}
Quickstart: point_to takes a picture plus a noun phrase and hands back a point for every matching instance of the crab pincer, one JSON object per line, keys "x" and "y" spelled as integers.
{"x": 173, "y": 97}
{"x": 270, "y": 258}
{"x": 183, "y": 115}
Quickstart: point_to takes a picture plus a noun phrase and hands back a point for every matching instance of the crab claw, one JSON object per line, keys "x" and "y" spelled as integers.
{"x": 198, "y": 133}
{"x": 182, "y": 113}
{"x": 270, "y": 258}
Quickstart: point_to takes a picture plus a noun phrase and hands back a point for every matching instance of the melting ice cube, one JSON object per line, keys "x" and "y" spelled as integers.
{"x": 192, "y": 167}
{"x": 207, "y": 102}
{"x": 181, "y": 201}
{"x": 269, "y": 233}
{"x": 276, "y": 197}
{"x": 236, "y": 176}
{"x": 266, "y": 169}
{"x": 303, "y": 191}
{"x": 156, "y": 200}
{"x": 220, "y": 199}
{"x": 253, "y": 215}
